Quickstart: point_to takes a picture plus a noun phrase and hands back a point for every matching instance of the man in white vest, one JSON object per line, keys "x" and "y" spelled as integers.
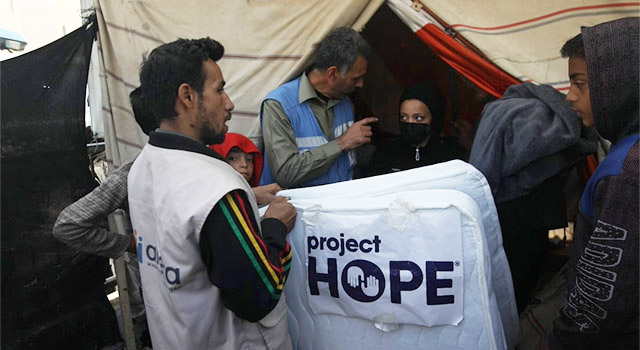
{"x": 212, "y": 272}
{"x": 308, "y": 128}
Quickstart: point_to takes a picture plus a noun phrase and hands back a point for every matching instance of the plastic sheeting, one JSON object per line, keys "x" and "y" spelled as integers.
{"x": 52, "y": 296}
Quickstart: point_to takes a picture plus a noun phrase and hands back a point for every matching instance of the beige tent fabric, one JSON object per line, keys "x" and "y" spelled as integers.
{"x": 265, "y": 42}
{"x": 524, "y": 38}
{"x": 270, "y": 42}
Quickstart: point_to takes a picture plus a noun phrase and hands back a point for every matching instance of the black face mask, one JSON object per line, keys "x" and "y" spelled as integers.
{"x": 414, "y": 133}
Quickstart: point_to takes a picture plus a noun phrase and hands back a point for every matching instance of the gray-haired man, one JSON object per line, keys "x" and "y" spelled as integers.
{"x": 307, "y": 123}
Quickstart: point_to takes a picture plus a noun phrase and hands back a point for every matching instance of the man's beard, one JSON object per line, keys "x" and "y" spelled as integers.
{"x": 208, "y": 135}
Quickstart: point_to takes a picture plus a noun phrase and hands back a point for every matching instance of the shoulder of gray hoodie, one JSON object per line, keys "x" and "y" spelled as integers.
{"x": 519, "y": 138}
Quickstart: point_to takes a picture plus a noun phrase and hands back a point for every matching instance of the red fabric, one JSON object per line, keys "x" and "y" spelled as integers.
{"x": 245, "y": 145}
{"x": 588, "y": 167}
{"x": 484, "y": 74}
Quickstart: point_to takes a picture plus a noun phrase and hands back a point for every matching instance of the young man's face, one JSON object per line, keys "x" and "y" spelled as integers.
{"x": 214, "y": 106}
{"x": 578, "y": 94}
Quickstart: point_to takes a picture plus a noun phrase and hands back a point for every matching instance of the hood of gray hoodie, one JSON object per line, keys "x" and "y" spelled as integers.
{"x": 612, "y": 67}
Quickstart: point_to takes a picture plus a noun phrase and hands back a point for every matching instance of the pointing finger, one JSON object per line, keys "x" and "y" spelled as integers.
{"x": 368, "y": 120}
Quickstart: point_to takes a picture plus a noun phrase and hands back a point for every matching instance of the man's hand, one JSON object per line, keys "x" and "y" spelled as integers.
{"x": 357, "y": 135}
{"x": 265, "y": 194}
{"x": 282, "y": 210}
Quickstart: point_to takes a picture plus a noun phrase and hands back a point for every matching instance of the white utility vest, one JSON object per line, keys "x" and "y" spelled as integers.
{"x": 171, "y": 193}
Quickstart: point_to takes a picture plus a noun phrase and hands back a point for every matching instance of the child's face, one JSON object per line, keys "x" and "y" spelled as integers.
{"x": 242, "y": 162}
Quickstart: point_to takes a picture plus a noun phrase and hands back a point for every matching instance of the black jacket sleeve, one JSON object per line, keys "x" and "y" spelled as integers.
{"x": 249, "y": 264}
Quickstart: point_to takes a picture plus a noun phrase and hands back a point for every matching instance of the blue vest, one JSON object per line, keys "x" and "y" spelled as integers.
{"x": 309, "y": 135}
{"x": 610, "y": 166}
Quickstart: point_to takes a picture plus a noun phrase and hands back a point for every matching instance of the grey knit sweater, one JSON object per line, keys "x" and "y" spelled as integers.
{"x": 82, "y": 225}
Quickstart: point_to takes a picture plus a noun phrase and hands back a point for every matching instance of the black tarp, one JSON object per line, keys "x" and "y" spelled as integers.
{"x": 52, "y": 296}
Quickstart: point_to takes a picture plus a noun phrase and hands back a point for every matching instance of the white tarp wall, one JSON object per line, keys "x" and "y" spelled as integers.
{"x": 265, "y": 43}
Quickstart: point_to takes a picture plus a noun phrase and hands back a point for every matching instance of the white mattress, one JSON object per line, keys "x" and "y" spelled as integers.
{"x": 330, "y": 331}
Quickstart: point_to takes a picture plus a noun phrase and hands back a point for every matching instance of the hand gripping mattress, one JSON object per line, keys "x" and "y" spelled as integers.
{"x": 490, "y": 315}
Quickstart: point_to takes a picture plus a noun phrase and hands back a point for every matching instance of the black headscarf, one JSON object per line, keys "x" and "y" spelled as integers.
{"x": 430, "y": 95}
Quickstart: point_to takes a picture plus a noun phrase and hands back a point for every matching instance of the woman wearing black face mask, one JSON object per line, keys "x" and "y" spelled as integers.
{"x": 422, "y": 109}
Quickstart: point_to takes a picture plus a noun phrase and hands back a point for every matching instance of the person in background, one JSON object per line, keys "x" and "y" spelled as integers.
{"x": 243, "y": 155}
{"x": 82, "y": 225}
{"x": 602, "y": 305}
{"x": 308, "y": 125}
{"x": 422, "y": 109}
{"x": 526, "y": 144}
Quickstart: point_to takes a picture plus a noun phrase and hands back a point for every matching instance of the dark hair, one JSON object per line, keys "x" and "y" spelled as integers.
{"x": 340, "y": 48}
{"x": 573, "y": 47}
{"x": 145, "y": 119}
{"x": 172, "y": 64}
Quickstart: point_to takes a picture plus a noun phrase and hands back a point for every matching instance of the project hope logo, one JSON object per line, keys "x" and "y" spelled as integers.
{"x": 149, "y": 253}
{"x": 364, "y": 281}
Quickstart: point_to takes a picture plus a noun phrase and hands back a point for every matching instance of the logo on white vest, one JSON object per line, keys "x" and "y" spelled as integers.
{"x": 149, "y": 254}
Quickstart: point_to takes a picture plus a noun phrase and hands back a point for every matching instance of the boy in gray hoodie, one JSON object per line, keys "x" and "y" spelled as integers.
{"x": 602, "y": 306}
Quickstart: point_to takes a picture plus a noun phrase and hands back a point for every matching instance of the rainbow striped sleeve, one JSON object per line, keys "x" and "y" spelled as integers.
{"x": 243, "y": 224}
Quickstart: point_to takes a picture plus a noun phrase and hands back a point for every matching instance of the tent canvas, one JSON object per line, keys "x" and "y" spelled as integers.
{"x": 260, "y": 53}
{"x": 270, "y": 42}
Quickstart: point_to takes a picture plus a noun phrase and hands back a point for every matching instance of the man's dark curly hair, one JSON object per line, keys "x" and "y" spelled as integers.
{"x": 573, "y": 47}
{"x": 340, "y": 48}
{"x": 172, "y": 64}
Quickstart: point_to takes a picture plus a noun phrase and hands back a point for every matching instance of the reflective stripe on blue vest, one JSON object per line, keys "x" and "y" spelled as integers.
{"x": 309, "y": 135}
